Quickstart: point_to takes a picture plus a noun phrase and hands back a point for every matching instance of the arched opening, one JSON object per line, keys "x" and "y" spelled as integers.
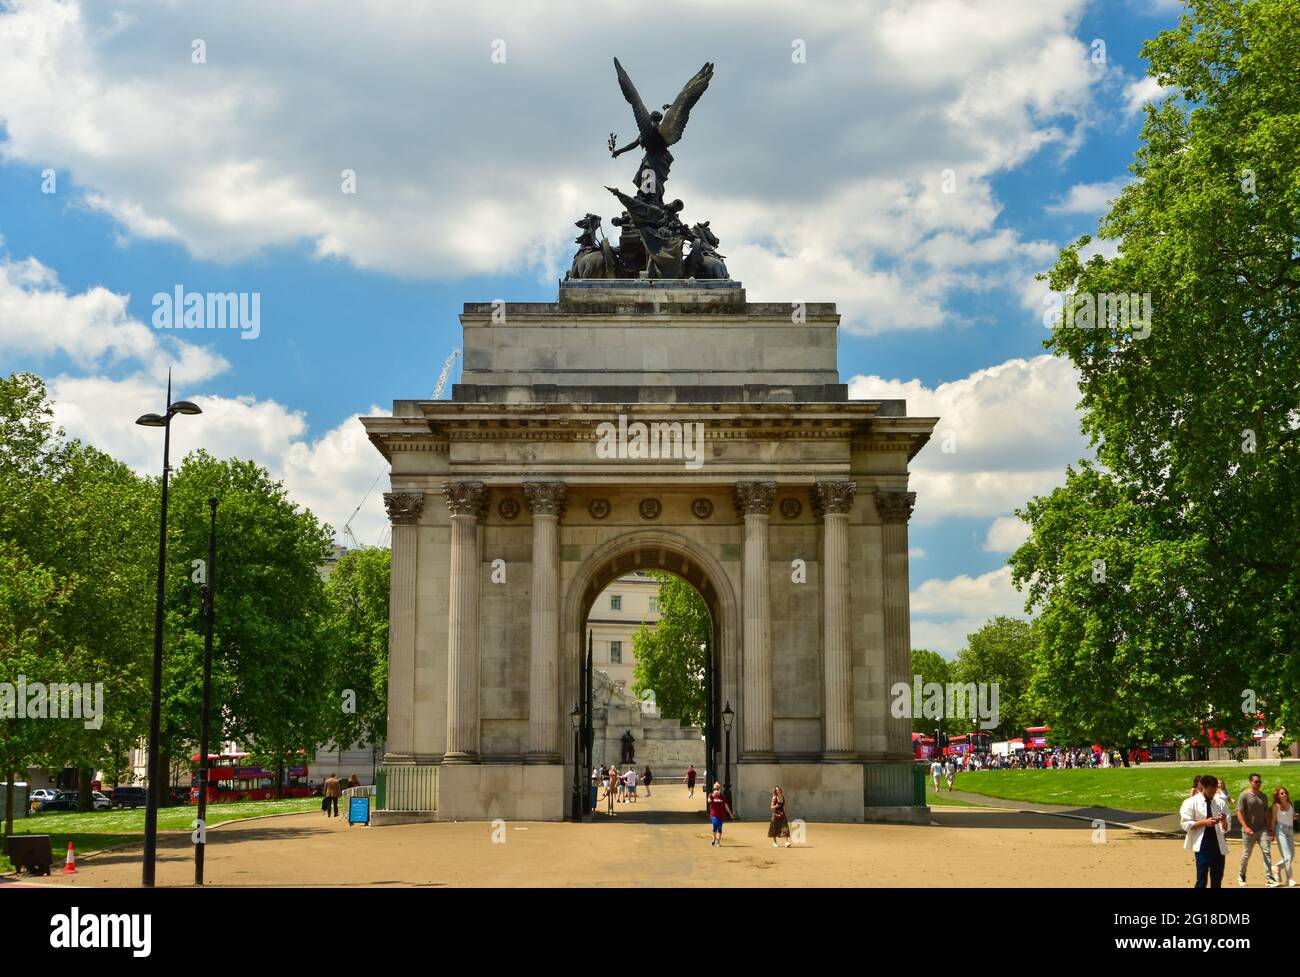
{"x": 668, "y": 553}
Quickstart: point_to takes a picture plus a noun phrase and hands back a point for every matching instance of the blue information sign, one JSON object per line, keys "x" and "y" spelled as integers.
{"x": 359, "y": 810}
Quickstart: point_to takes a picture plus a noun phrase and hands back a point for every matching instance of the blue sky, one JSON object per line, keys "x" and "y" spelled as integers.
{"x": 823, "y": 178}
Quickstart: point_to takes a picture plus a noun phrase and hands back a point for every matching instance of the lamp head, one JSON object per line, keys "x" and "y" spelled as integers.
{"x": 185, "y": 407}
{"x": 151, "y": 420}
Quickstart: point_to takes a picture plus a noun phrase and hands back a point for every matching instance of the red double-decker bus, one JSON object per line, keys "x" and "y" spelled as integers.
{"x": 1036, "y": 737}
{"x": 231, "y": 779}
{"x": 922, "y": 747}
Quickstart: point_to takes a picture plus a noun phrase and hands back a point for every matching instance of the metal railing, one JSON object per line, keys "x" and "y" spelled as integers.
{"x": 407, "y": 788}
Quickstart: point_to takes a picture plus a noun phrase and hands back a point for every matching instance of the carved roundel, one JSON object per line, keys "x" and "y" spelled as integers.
{"x": 599, "y": 508}
{"x": 650, "y": 508}
{"x": 702, "y": 508}
{"x": 509, "y": 508}
{"x": 790, "y": 508}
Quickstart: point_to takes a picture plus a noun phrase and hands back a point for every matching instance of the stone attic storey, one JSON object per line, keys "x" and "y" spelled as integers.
{"x": 537, "y": 461}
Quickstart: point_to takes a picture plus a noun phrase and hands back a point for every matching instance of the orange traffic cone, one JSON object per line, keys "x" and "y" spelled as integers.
{"x": 70, "y": 866}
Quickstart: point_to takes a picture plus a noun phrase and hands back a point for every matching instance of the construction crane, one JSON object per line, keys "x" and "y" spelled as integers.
{"x": 437, "y": 394}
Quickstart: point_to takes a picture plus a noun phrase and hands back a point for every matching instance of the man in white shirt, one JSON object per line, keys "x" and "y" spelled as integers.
{"x": 1204, "y": 817}
{"x": 630, "y": 779}
{"x": 936, "y": 772}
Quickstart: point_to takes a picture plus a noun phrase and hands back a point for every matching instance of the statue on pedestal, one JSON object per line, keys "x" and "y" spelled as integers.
{"x": 629, "y": 751}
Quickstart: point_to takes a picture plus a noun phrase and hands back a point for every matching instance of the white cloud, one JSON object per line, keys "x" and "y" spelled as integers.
{"x": 465, "y": 166}
{"x": 1005, "y": 535}
{"x": 1140, "y": 92}
{"x": 1088, "y": 198}
{"x": 1011, "y": 428}
{"x": 944, "y": 612}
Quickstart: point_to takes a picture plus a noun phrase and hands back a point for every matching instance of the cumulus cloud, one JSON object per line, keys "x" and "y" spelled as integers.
{"x": 1005, "y": 535}
{"x": 1140, "y": 92}
{"x": 1088, "y": 198}
{"x": 469, "y": 165}
{"x": 1005, "y": 433}
{"x": 944, "y": 612}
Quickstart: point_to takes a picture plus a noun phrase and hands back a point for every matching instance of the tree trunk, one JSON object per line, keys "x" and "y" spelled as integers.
{"x": 162, "y": 770}
{"x": 85, "y": 802}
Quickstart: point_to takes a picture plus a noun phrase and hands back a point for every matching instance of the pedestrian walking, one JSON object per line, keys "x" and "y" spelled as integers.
{"x": 629, "y": 778}
{"x": 354, "y": 781}
{"x": 949, "y": 772}
{"x": 718, "y": 808}
{"x": 779, "y": 827}
{"x": 645, "y": 779}
{"x": 936, "y": 772}
{"x": 1204, "y": 816}
{"x": 1252, "y": 812}
{"x": 622, "y": 786}
{"x": 1281, "y": 825}
{"x": 690, "y": 781}
{"x": 332, "y": 791}
{"x": 611, "y": 777}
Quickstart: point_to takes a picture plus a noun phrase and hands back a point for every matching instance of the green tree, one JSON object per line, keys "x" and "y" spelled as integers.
{"x": 1168, "y": 571}
{"x": 1001, "y": 653}
{"x": 357, "y": 592}
{"x": 931, "y": 667}
{"x": 670, "y": 657}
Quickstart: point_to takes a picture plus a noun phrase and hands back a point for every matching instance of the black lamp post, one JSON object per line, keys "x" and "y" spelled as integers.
{"x": 209, "y": 596}
{"x": 576, "y": 717}
{"x": 727, "y": 718}
{"x": 163, "y": 421}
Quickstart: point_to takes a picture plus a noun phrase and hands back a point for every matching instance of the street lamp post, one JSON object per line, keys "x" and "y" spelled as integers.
{"x": 209, "y": 597}
{"x": 727, "y": 717}
{"x": 576, "y": 717}
{"x": 163, "y": 421}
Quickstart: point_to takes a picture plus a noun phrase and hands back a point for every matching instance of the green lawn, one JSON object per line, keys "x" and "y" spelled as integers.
{"x": 1147, "y": 788}
{"x": 96, "y": 830}
{"x": 942, "y": 798}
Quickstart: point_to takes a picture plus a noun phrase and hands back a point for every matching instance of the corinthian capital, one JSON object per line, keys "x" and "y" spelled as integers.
{"x": 546, "y": 498}
{"x": 465, "y": 498}
{"x": 404, "y": 508}
{"x": 895, "y": 507}
{"x": 755, "y": 498}
{"x": 834, "y": 497}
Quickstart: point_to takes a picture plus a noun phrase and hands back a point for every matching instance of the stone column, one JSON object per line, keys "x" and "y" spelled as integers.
{"x": 834, "y": 500}
{"x": 895, "y": 508}
{"x": 754, "y": 501}
{"x": 547, "y": 500}
{"x": 466, "y": 501}
{"x": 404, "y": 510}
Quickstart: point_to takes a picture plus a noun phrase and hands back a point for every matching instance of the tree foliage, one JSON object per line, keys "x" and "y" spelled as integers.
{"x": 670, "y": 656}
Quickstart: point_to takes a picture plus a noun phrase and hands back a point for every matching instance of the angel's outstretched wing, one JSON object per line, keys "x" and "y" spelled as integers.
{"x": 675, "y": 119}
{"x": 633, "y": 99}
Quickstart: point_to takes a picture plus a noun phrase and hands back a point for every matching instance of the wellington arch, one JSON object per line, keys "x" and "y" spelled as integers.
{"x": 517, "y": 501}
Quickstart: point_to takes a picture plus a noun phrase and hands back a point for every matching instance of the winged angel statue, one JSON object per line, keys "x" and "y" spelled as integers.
{"x": 657, "y": 131}
{"x": 653, "y": 233}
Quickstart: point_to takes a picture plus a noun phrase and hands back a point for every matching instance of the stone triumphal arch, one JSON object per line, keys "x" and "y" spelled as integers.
{"x": 648, "y": 424}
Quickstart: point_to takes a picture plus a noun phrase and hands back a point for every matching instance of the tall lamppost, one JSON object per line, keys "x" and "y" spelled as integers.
{"x": 209, "y": 597}
{"x": 576, "y": 717}
{"x": 727, "y": 718}
{"x": 163, "y": 421}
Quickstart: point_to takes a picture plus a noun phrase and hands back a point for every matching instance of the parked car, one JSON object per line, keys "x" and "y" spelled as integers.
{"x": 129, "y": 797}
{"x": 101, "y": 801}
{"x": 64, "y": 800}
{"x": 41, "y": 794}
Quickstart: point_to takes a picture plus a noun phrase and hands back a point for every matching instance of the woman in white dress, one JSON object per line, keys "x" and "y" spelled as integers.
{"x": 1281, "y": 825}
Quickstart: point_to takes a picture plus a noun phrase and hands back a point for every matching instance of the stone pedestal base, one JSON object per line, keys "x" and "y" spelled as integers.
{"x": 381, "y": 818}
{"x": 514, "y": 792}
{"x": 813, "y": 791}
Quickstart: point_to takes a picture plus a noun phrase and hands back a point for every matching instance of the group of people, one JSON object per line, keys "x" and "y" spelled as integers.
{"x": 620, "y": 786}
{"x": 1054, "y": 759}
{"x": 1263, "y": 818}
